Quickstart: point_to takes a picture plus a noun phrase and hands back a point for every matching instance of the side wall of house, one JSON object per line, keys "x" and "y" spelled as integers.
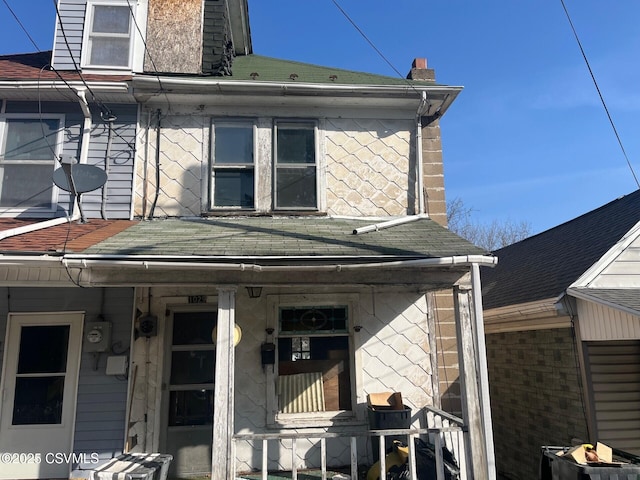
{"x": 536, "y": 397}
{"x": 102, "y": 399}
{"x": 115, "y": 197}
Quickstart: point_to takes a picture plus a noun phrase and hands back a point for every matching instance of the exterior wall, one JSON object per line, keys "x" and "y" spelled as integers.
{"x": 433, "y": 172}
{"x": 67, "y": 51}
{"x": 536, "y": 397}
{"x": 392, "y": 353}
{"x": 118, "y": 195}
{"x": 623, "y": 272}
{"x": 367, "y": 166}
{"x": 598, "y": 322}
{"x": 102, "y": 399}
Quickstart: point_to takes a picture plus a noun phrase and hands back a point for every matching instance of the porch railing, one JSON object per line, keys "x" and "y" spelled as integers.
{"x": 443, "y": 430}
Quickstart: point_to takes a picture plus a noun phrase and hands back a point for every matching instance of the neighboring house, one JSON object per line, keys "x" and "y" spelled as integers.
{"x": 267, "y": 250}
{"x": 562, "y": 320}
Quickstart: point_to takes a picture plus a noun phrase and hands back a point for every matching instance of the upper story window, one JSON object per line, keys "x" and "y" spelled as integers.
{"x": 233, "y": 165}
{"x": 295, "y": 166}
{"x": 264, "y": 165}
{"x": 108, "y": 35}
{"x": 28, "y": 149}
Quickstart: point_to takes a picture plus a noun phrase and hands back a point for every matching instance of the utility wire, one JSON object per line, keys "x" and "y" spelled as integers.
{"x": 604, "y": 104}
{"x": 377, "y": 50}
{"x": 21, "y": 25}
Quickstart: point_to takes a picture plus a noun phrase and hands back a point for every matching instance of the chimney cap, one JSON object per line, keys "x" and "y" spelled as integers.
{"x": 419, "y": 70}
{"x": 420, "y": 63}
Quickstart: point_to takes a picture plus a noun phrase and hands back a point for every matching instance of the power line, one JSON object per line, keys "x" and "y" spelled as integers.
{"x": 21, "y": 25}
{"x": 604, "y": 104}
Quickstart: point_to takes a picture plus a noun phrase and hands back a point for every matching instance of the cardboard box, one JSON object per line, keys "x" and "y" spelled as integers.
{"x": 385, "y": 401}
{"x": 579, "y": 454}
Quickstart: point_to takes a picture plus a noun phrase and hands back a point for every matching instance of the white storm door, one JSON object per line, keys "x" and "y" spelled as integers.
{"x": 39, "y": 388}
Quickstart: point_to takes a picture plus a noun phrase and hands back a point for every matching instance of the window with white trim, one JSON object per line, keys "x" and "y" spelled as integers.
{"x": 295, "y": 165}
{"x": 314, "y": 372}
{"x": 233, "y": 165}
{"x": 29, "y": 147}
{"x": 108, "y": 35}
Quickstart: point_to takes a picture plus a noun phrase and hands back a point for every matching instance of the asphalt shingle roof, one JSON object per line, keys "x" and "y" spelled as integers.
{"x": 36, "y": 66}
{"x": 283, "y": 237}
{"x": 628, "y": 298}
{"x": 260, "y": 68}
{"x": 544, "y": 265}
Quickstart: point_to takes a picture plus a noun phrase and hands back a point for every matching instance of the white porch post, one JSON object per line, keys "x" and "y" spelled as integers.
{"x": 222, "y": 461}
{"x": 483, "y": 371}
{"x": 471, "y": 409}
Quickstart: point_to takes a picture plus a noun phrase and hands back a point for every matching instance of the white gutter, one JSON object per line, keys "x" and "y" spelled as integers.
{"x": 102, "y": 87}
{"x": 84, "y": 155}
{"x": 388, "y": 224}
{"x": 130, "y": 262}
{"x": 292, "y": 86}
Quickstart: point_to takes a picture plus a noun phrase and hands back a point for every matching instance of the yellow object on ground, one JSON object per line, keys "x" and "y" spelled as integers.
{"x": 394, "y": 459}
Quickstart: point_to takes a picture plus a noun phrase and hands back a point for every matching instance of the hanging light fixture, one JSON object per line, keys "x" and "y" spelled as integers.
{"x": 254, "y": 292}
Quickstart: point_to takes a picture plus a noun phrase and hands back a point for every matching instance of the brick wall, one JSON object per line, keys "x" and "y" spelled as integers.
{"x": 536, "y": 397}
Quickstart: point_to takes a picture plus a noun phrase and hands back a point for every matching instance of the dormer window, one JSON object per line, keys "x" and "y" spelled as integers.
{"x": 108, "y": 36}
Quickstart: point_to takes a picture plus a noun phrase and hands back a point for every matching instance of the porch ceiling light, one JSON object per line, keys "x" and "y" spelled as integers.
{"x": 254, "y": 292}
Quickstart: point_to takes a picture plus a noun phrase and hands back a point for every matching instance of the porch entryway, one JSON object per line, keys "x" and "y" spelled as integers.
{"x": 188, "y": 386}
{"x": 40, "y": 381}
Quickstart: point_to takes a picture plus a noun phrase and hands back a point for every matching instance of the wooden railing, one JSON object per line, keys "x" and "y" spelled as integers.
{"x": 444, "y": 430}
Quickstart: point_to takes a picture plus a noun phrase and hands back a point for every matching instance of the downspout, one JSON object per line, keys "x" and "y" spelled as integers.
{"x": 84, "y": 155}
{"x": 422, "y": 109}
{"x": 109, "y": 119}
{"x": 158, "y": 131}
{"x": 482, "y": 369}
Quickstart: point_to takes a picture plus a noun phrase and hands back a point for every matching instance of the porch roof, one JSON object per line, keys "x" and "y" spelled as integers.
{"x": 283, "y": 237}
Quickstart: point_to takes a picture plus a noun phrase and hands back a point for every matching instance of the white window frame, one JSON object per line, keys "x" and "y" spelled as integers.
{"x": 88, "y": 35}
{"x": 277, "y": 419}
{"x": 232, "y": 166}
{"x": 57, "y": 146}
{"x": 316, "y": 140}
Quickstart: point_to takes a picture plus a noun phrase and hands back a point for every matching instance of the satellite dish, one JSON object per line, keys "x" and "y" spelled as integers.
{"x": 85, "y": 178}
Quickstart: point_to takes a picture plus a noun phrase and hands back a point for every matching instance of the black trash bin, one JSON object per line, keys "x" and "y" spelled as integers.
{"x": 388, "y": 419}
{"x": 558, "y": 467}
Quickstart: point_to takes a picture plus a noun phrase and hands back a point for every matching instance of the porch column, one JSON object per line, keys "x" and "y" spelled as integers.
{"x": 476, "y": 456}
{"x": 222, "y": 461}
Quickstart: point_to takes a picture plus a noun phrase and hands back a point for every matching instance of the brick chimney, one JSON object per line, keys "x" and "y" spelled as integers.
{"x": 419, "y": 71}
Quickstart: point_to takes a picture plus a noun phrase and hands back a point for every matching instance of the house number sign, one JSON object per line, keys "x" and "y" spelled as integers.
{"x": 197, "y": 299}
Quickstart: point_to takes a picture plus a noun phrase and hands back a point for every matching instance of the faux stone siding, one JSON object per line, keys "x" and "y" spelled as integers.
{"x": 536, "y": 397}
{"x": 369, "y": 171}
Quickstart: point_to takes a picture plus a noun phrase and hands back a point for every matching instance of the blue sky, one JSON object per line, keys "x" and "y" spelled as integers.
{"x": 527, "y": 139}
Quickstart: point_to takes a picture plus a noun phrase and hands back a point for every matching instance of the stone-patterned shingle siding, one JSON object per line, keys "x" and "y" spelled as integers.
{"x": 536, "y": 397}
{"x": 369, "y": 167}
{"x": 216, "y": 34}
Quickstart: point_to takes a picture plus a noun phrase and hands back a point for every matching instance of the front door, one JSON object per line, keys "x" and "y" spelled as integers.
{"x": 188, "y": 391}
{"x": 39, "y": 387}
